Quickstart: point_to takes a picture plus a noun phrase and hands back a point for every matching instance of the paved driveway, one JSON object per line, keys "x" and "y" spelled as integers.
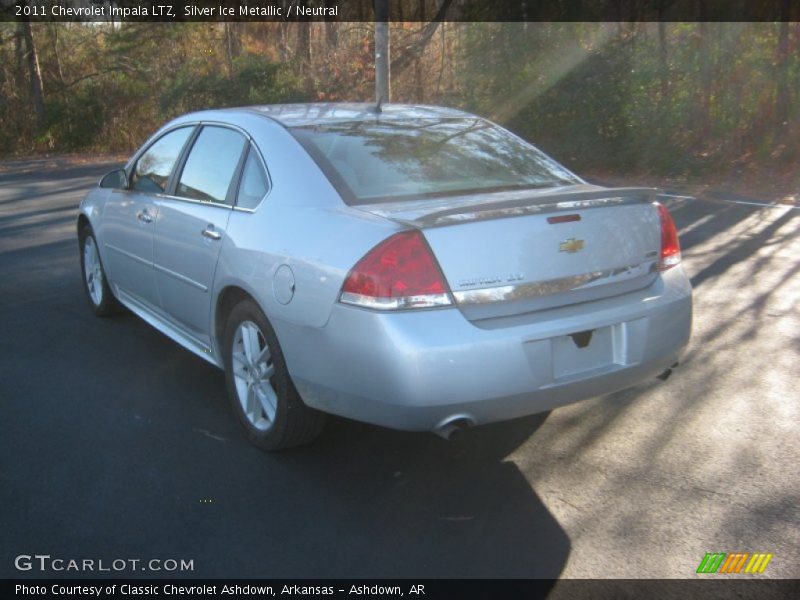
{"x": 116, "y": 443}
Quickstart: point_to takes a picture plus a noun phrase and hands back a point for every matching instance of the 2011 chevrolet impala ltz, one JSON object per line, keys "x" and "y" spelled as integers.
{"x": 414, "y": 267}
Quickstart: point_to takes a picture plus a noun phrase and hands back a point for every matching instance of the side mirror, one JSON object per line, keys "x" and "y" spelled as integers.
{"x": 117, "y": 180}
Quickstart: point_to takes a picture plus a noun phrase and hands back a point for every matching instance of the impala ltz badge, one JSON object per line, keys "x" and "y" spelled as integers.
{"x": 571, "y": 245}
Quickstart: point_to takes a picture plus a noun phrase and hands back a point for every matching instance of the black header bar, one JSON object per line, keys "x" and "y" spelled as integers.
{"x": 399, "y": 10}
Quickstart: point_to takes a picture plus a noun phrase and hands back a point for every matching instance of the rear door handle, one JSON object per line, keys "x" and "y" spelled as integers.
{"x": 144, "y": 216}
{"x": 211, "y": 233}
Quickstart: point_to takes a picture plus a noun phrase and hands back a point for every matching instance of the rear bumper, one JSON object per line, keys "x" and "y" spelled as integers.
{"x": 414, "y": 370}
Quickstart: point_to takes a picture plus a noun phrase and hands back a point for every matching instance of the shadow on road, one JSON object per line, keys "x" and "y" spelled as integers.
{"x": 123, "y": 446}
{"x": 118, "y": 443}
{"x": 140, "y": 455}
{"x": 441, "y": 508}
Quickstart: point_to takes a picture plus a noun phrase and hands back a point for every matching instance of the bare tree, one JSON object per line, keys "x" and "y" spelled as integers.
{"x": 54, "y": 27}
{"x": 704, "y": 107}
{"x": 782, "y": 80}
{"x": 415, "y": 49}
{"x": 418, "y": 74}
{"x": 233, "y": 43}
{"x": 35, "y": 74}
{"x": 662, "y": 53}
{"x": 304, "y": 43}
{"x": 331, "y": 29}
{"x": 19, "y": 55}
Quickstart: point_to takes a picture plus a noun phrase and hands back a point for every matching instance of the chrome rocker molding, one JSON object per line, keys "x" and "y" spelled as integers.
{"x": 171, "y": 330}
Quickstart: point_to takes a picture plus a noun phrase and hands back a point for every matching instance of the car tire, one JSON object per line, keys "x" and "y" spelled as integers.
{"x": 95, "y": 283}
{"x": 260, "y": 388}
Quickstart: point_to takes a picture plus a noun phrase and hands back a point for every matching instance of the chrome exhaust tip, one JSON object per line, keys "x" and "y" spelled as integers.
{"x": 666, "y": 373}
{"x": 451, "y": 427}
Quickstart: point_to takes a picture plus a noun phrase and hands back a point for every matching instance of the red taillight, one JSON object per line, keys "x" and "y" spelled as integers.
{"x": 400, "y": 272}
{"x": 670, "y": 246}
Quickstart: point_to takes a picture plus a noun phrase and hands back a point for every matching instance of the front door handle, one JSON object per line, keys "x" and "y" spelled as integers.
{"x": 211, "y": 233}
{"x": 144, "y": 216}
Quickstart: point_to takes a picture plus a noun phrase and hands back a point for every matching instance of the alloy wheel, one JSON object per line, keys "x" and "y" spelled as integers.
{"x": 253, "y": 370}
{"x": 92, "y": 271}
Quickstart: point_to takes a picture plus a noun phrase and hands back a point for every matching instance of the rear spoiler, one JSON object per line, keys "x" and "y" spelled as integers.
{"x": 541, "y": 203}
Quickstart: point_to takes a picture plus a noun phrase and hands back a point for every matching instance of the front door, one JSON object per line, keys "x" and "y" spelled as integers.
{"x": 130, "y": 217}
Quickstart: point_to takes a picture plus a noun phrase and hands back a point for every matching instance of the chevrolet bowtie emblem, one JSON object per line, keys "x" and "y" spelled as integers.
{"x": 571, "y": 245}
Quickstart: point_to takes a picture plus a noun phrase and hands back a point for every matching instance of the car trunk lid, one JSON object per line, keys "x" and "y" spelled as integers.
{"x": 515, "y": 252}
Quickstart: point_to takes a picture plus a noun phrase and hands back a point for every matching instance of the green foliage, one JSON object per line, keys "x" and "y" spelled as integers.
{"x": 75, "y": 120}
{"x": 686, "y": 97}
{"x": 107, "y": 88}
{"x": 253, "y": 81}
{"x": 611, "y": 96}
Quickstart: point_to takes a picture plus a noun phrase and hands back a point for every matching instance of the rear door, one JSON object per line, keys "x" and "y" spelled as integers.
{"x": 191, "y": 226}
{"x": 130, "y": 216}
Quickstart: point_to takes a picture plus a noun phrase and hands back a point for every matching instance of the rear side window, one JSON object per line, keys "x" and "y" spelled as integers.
{"x": 153, "y": 168}
{"x": 254, "y": 185}
{"x": 212, "y": 162}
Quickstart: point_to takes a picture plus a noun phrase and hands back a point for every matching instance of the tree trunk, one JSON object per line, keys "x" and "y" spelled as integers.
{"x": 304, "y": 43}
{"x": 56, "y": 53}
{"x": 35, "y": 73}
{"x": 662, "y": 58}
{"x": 795, "y": 45}
{"x": 331, "y": 29}
{"x": 442, "y": 64}
{"x": 782, "y": 80}
{"x": 283, "y": 39}
{"x": 232, "y": 44}
{"x": 418, "y": 75}
{"x": 406, "y": 57}
{"x": 19, "y": 56}
{"x": 704, "y": 83}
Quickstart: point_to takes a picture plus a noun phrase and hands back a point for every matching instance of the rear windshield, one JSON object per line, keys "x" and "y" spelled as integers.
{"x": 374, "y": 161}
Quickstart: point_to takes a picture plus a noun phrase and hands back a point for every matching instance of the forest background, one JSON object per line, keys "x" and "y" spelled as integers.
{"x": 697, "y": 99}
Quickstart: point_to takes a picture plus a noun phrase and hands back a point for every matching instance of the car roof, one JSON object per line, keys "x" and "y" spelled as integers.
{"x": 296, "y": 115}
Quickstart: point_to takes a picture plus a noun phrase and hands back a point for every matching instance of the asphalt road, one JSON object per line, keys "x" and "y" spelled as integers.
{"x": 116, "y": 443}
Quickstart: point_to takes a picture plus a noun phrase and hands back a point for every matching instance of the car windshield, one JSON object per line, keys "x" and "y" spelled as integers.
{"x": 374, "y": 161}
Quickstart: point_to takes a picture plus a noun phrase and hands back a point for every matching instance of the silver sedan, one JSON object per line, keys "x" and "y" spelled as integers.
{"x": 414, "y": 267}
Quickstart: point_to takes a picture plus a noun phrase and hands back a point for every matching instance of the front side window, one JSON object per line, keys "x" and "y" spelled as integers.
{"x": 254, "y": 185}
{"x": 153, "y": 168}
{"x": 212, "y": 162}
{"x": 379, "y": 160}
